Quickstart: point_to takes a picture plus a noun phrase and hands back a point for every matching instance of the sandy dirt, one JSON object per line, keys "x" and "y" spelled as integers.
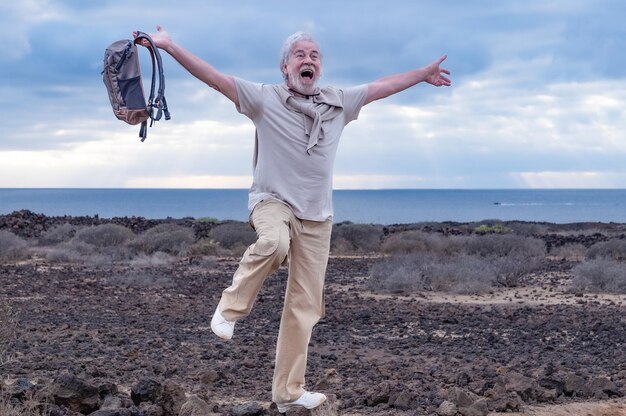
{"x": 607, "y": 408}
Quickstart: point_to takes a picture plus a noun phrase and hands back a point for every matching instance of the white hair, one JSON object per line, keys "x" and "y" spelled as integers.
{"x": 285, "y": 51}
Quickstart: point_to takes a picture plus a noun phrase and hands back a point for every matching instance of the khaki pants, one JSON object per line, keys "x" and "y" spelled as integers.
{"x": 281, "y": 236}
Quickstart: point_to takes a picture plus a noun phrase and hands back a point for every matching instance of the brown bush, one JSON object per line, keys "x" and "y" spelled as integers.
{"x": 72, "y": 251}
{"x": 12, "y": 247}
{"x": 510, "y": 270}
{"x": 456, "y": 264}
{"x": 501, "y": 245}
{"x": 600, "y": 275}
{"x": 403, "y": 273}
{"x": 419, "y": 241}
{"x": 166, "y": 238}
{"x": 232, "y": 234}
{"x": 463, "y": 275}
{"x": 424, "y": 271}
{"x": 58, "y": 234}
{"x": 104, "y": 235}
{"x": 613, "y": 249}
{"x": 348, "y": 238}
{"x": 207, "y": 247}
{"x": 75, "y": 251}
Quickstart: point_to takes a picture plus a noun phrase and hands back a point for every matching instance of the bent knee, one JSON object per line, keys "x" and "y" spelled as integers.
{"x": 275, "y": 247}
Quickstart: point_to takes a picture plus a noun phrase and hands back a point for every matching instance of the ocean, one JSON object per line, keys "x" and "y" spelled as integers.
{"x": 398, "y": 206}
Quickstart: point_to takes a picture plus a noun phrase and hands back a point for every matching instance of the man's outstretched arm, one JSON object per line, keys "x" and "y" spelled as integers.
{"x": 432, "y": 74}
{"x": 199, "y": 68}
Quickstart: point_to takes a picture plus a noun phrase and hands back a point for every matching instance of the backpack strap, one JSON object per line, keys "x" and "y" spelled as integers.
{"x": 157, "y": 102}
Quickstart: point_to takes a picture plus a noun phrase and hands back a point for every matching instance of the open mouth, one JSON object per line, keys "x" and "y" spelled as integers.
{"x": 306, "y": 73}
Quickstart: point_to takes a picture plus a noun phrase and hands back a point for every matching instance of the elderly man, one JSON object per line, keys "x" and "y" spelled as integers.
{"x": 298, "y": 126}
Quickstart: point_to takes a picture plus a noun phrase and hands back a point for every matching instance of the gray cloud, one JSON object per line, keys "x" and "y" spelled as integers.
{"x": 490, "y": 123}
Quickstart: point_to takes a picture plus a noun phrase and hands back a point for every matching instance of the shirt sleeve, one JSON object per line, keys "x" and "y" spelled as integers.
{"x": 353, "y": 99}
{"x": 250, "y": 97}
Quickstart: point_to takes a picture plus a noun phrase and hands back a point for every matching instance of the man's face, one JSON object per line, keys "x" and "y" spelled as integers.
{"x": 304, "y": 67}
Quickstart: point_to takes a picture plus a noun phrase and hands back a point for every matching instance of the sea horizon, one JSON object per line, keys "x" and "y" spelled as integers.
{"x": 379, "y": 206}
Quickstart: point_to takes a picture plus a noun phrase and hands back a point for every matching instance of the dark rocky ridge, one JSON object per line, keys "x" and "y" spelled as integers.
{"x": 28, "y": 224}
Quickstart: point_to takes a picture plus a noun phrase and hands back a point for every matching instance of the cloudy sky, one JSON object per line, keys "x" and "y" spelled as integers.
{"x": 538, "y": 97}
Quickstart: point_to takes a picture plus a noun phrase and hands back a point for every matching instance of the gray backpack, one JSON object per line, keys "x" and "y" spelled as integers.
{"x": 122, "y": 78}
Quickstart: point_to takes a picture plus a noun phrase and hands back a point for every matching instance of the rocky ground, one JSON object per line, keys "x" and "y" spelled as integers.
{"x": 90, "y": 337}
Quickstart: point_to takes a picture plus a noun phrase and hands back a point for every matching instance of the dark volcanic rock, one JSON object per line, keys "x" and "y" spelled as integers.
{"x": 75, "y": 393}
{"x": 525, "y": 387}
{"x": 247, "y": 409}
{"x": 173, "y": 398}
{"x": 195, "y": 406}
{"x": 604, "y": 388}
{"x": 146, "y": 390}
{"x": 575, "y": 385}
{"x": 114, "y": 412}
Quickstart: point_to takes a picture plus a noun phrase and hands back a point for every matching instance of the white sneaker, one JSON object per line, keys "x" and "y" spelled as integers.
{"x": 220, "y": 326}
{"x": 308, "y": 400}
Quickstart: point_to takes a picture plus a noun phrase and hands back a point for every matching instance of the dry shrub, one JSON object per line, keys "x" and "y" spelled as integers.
{"x": 72, "y": 251}
{"x": 424, "y": 271}
{"x": 167, "y": 238}
{"x": 614, "y": 249}
{"x": 105, "y": 243}
{"x": 12, "y": 247}
{"x": 58, "y": 234}
{"x": 207, "y": 247}
{"x": 604, "y": 270}
{"x": 104, "y": 235}
{"x": 75, "y": 251}
{"x": 233, "y": 235}
{"x": 419, "y": 241}
{"x": 488, "y": 245}
{"x": 463, "y": 275}
{"x": 110, "y": 242}
{"x": 27, "y": 406}
{"x": 510, "y": 270}
{"x": 456, "y": 264}
{"x": 501, "y": 245}
{"x": 347, "y": 238}
{"x": 512, "y": 256}
{"x": 100, "y": 244}
{"x": 400, "y": 273}
{"x": 600, "y": 275}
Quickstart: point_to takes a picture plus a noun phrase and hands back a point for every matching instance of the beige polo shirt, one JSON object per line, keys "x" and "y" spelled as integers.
{"x": 283, "y": 168}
